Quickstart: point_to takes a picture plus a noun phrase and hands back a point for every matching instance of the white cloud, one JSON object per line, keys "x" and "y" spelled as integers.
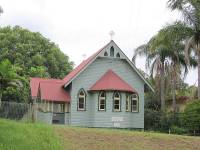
{"x": 81, "y": 27}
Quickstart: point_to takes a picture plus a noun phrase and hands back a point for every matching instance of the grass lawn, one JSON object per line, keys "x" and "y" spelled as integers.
{"x": 113, "y": 139}
{"x": 26, "y": 136}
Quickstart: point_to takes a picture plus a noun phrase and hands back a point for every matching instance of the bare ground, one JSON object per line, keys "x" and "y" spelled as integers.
{"x": 112, "y": 139}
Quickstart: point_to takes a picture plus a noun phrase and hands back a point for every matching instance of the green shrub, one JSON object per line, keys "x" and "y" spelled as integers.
{"x": 178, "y": 130}
{"x": 191, "y": 116}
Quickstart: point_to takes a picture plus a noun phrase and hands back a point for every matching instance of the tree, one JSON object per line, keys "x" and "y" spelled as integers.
{"x": 165, "y": 58}
{"x": 156, "y": 55}
{"x": 191, "y": 117}
{"x": 174, "y": 36}
{"x": 8, "y": 77}
{"x": 1, "y": 10}
{"x": 190, "y": 10}
{"x": 31, "y": 55}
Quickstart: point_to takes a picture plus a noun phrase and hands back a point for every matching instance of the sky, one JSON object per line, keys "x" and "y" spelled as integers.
{"x": 81, "y": 27}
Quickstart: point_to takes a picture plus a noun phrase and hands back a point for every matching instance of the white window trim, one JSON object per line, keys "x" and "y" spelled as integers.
{"x": 119, "y": 99}
{"x": 128, "y": 100}
{"x": 137, "y": 100}
{"x": 102, "y": 98}
{"x": 81, "y": 96}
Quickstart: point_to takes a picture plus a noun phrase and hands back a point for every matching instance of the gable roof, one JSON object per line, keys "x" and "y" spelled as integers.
{"x": 34, "y": 85}
{"x": 53, "y": 91}
{"x": 74, "y": 73}
{"x": 67, "y": 79}
{"x": 111, "y": 81}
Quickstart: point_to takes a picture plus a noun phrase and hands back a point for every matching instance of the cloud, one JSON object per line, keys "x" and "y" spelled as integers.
{"x": 81, "y": 27}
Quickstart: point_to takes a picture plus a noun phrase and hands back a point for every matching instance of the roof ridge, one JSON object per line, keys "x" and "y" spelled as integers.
{"x": 111, "y": 81}
{"x": 82, "y": 65}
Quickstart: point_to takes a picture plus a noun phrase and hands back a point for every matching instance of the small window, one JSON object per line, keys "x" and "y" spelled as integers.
{"x": 117, "y": 102}
{"x": 112, "y": 51}
{"x": 134, "y": 103}
{"x": 118, "y": 55}
{"x": 105, "y": 54}
{"x": 102, "y": 101}
{"x": 81, "y": 100}
{"x": 58, "y": 108}
{"x": 128, "y": 102}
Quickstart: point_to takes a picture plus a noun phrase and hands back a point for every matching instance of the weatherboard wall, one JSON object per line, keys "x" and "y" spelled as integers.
{"x": 94, "y": 118}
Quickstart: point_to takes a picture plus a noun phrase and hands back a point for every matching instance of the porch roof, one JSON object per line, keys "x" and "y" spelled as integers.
{"x": 111, "y": 81}
{"x": 34, "y": 85}
{"x": 53, "y": 91}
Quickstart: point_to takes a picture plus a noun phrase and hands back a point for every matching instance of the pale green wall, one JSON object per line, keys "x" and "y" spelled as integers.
{"x": 92, "y": 117}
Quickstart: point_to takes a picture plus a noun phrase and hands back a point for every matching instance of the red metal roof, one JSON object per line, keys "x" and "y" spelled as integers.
{"x": 34, "y": 84}
{"x": 53, "y": 91}
{"x": 81, "y": 66}
{"x": 111, "y": 81}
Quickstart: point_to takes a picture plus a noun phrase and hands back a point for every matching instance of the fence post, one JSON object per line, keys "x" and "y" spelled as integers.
{"x": 29, "y": 113}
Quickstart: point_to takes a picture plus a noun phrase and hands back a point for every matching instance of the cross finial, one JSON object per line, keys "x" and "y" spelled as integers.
{"x": 84, "y": 56}
{"x": 112, "y": 33}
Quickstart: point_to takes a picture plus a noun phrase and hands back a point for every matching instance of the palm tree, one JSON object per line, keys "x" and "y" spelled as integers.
{"x": 1, "y": 10}
{"x": 156, "y": 59}
{"x": 190, "y": 10}
{"x": 8, "y": 76}
{"x": 165, "y": 57}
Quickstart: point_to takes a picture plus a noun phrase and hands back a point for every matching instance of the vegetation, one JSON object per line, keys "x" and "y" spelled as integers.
{"x": 23, "y": 136}
{"x": 116, "y": 139}
{"x": 191, "y": 116}
{"x": 190, "y": 10}
{"x": 1, "y": 10}
{"x": 27, "y": 54}
{"x": 31, "y": 136}
{"x": 165, "y": 58}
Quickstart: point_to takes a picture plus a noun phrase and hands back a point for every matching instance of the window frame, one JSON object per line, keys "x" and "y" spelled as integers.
{"x": 99, "y": 100}
{"x": 80, "y": 96}
{"x": 112, "y": 52}
{"x": 117, "y": 110}
{"x": 128, "y": 99}
{"x": 137, "y": 102}
{"x": 118, "y": 55}
{"x": 105, "y": 54}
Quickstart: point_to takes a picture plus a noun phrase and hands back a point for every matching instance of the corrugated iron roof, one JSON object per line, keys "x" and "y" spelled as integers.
{"x": 111, "y": 81}
{"x": 81, "y": 66}
{"x": 53, "y": 91}
{"x": 34, "y": 84}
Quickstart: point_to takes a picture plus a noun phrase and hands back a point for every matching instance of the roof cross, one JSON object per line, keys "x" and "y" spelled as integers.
{"x": 111, "y": 33}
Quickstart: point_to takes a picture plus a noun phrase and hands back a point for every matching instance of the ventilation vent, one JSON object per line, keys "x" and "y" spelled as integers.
{"x": 112, "y": 51}
{"x": 105, "y": 54}
{"x": 118, "y": 55}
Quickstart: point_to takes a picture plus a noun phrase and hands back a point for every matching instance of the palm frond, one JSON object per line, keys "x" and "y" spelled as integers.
{"x": 141, "y": 51}
{"x": 175, "y": 4}
{"x": 1, "y": 10}
{"x": 189, "y": 44}
{"x": 190, "y": 16}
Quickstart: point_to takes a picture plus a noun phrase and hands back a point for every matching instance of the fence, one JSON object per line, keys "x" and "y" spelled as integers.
{"x": 168, "y": 123}
{"x": 16, "y": 111}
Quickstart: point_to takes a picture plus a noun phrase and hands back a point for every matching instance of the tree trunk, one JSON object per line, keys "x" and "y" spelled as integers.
{"x": 173, "y": 95}
{"x": 199, "y": 74}
{"x": 1, "y": 91}
{"x": 0, "y": 97}
{"x": 162, "y": 88}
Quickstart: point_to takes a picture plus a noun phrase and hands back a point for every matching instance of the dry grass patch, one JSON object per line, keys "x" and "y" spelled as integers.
{"x": 112, "y": 139}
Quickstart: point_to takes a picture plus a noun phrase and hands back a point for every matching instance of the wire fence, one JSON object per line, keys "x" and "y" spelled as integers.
{"x": 16, "y": 111}
{"x": 153, "y": 120}
{"x": 169, "y": 122}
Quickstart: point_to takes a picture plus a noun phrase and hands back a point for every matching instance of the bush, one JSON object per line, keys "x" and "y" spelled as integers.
{"x": 191, "y": 116}
{"x": 161, "y": 121}
{"x": 178, "y": 130}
